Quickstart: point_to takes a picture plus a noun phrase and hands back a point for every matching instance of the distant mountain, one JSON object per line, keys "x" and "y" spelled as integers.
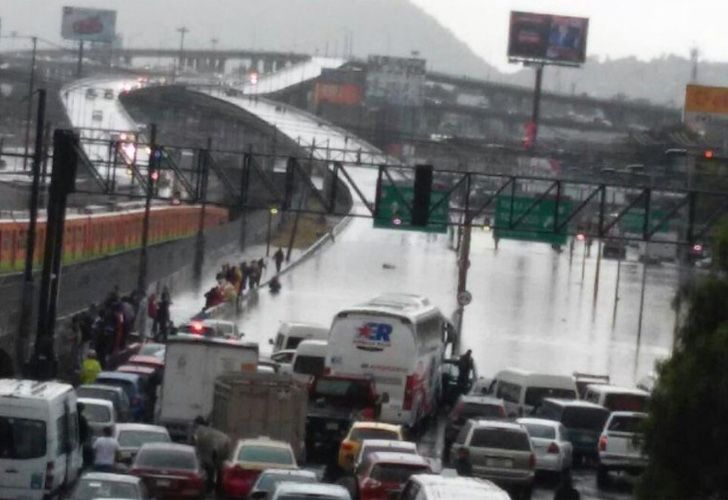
{"x": 660, "y": 81}
{"x": 359, "y": 27}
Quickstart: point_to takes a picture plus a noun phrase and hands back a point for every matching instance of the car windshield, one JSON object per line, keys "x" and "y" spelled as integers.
{"x": 540, "y": 431}
{"x": 353, "y": 393}
{"x": 166, "y": 459}
{"x": 504, "y": 439}
{"x": 21, "y": 438}
{"x": 584, "y": 418}
{"x": 265, "y": 454}
{"x": 89, "y": 489}
{"x": 362, "y": 433}
{"x": 534, "y": 395}
{"x": 309, "y": 365}
{"x": 396, "y": 473}
{"x": 266, "y": 482}
{"x": 135, "y": 439}
{"x": 632, "y": 424}
{"x": 127, "y": 385}
{"x": 626, "y": 402}
{"x": 96, "y": 413}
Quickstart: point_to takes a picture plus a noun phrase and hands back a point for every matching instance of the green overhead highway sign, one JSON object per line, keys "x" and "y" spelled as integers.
{"x": 538, "y": 225}
{"x": 394, "y": 214}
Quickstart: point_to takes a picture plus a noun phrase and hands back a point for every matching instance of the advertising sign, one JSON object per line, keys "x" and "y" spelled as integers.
{"x": 548, "y": 38}
{"x": 373, "y": 336}
{"x": 91, "y": 25}
{"x": 397, "y": 81}
{"x": 706, "y": 111}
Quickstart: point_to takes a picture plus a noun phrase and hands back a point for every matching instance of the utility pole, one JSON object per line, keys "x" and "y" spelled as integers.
{"x": 200, "y": 242}
{"x": 26, "y": 311}
{"x": 29, "y": 109}
{"x": 79, "y": 66}
{"x": 183, "y": 30}
{"x": 152, "y": 172}
{"x": 532, "y": 133}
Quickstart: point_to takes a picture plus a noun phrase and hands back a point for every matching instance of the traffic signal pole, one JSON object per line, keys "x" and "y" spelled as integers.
{"x": 536, "y": 112}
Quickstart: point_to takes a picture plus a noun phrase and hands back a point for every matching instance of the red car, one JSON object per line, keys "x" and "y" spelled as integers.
{"x": 250, "y": 458}
{"x": 383, "y": 475}
{"x": 170, "y": 470}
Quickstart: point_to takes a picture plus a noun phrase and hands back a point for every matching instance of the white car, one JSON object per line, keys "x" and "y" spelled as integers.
{"x": 284, "y": 358}
{"x": 294, "y": 491}
{"x": 131, "y": 437}
{"x": 548, "y": 438}
{"x": 99, "y": 413}
{"x": 619, "y": 445}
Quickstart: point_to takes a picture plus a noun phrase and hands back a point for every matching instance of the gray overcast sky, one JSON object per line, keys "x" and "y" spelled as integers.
{"x": 645, "y": 28}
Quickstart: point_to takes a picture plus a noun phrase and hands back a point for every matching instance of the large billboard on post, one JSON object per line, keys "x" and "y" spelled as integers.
{"x": 90, "y": 25}
{"x": 548, "y": 38}
{"x": 706, "y": 111}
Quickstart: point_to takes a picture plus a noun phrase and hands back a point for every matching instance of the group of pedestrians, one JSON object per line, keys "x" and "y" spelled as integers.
{"x": 104, "y": 329}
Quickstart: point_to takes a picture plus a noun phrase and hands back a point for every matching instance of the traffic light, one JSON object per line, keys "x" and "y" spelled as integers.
{"x": 708, "y": 154}
{"x": 422, "y": 193}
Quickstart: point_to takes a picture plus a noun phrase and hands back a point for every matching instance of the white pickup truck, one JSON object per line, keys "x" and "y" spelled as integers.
{"x": 620, "y": 445}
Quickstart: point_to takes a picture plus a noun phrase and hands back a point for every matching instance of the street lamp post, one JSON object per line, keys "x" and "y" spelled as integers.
{"x": 29, "y": 110}
{"x": 273, "y": 211}
{"x": 183, "y": 30}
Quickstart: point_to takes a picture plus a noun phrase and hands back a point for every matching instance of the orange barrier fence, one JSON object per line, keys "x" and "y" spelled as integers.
{"x": 89, "y": 236}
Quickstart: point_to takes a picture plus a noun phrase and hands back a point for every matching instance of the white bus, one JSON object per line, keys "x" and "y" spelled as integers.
{"x": 399, "y": 340}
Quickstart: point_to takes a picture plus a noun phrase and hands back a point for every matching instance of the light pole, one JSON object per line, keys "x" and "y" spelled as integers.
{"x": 183, "y": 30}
{"x": 29, "y": 111}
{"x": 273, "y": 211}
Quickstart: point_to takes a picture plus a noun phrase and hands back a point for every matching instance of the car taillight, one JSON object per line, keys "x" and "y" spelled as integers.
{"x": 347, "y": 446}
{"x": 370, "y": 484}
{"x": 602, "y": 443}
{"x": 239, "y": 473}
{"x": 49, "y": 475}
{"x": 409, "y": 393}
{"x": 553, "y": 448}
{"x": 532, "y": 461}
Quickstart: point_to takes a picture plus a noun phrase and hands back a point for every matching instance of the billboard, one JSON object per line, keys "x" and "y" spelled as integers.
{"x": 396, "y": 81}
{"x": 548, "y": 38}
{"x": 706, "y": 111}
{"x": 91, "y": 25}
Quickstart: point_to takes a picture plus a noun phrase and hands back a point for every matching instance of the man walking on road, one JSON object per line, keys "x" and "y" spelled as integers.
{"x": 278, "y": 257}
{"x": 106, "y": 449}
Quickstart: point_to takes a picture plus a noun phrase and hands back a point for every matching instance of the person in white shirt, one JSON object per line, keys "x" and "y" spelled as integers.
{"x": 106, "y": 449}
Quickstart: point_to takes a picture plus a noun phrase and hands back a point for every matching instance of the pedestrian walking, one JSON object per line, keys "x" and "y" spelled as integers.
{"x": 465, "y": 365}
{"x": 106, "y": 451}
{"x": 163, "y": 313}
{"x": 245, "y": 271}
{"x": 261, "y": 267}
{"x": 84, "y": 436}
{"x": 278, "y": 258}
{"x": 90, "y": 368}
{"x": 254, "y": 274}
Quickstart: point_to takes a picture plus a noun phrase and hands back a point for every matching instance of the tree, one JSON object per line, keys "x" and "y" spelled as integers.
{"x": 686, "y": 433}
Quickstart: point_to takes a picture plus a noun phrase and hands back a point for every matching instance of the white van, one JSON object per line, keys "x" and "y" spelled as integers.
{"x": 615, "y": 398}
{"x": 310, "y": 359}
{"x": 99, "y": 414}
{"x": 398, "y": 340}
{"x": 522, "y": 390}
{"x": 39, "y": 442}
{"x": 290, "y": 334}
{"x": 437, "y": 487}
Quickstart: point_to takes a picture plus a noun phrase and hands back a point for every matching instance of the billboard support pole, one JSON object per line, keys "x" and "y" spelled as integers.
{"x": 536, "y": 113}
{"x": 79, "y": 67}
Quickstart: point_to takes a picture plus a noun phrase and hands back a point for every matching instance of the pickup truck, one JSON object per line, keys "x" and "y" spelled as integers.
{"x": 620, "y": 445}
{"x": 335, "y": 402}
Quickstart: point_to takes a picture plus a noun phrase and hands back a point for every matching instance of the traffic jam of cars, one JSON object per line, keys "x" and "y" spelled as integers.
{"x": 332, "y": 413}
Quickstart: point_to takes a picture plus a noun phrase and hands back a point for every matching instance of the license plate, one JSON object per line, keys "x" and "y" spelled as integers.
{"x": 164, "y": 483}
{"x": 504, "y": 463}
{"x": 332, "y": 426}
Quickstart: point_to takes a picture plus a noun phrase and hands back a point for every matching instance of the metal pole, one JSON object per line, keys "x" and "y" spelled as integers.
{"x": 596, "y": 275}
{"x": 79, "y": 66}
{"x": 29, "y": 109}
{"x": 642, "y": 294}
{"x": 536, "y": 112}
{"x": 142, "y": 278}
{"x": 267, "y": 240}
{"x": 616, "y": 291}
{"x": 200, "y": 242}
{"x": 26, "y": 311}
{"x": 583, "y": 262}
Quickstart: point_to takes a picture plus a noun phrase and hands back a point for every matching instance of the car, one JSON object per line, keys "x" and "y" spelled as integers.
{"x": 616, "y": 398}
{"x": 369, "y": 446}
{"x": 150, "y": 361}
{"x": 249, "y": 458}
{"x": 99, "y": 413}
{"x": 360, "y": 431}
{"x": 152, "y": 349}
{"x": 97, "y": 485}
{"x": 620, "y": 445}
{"x": 269, "y": 478}
{"x": 131, "y": 437}
{"x": 291, "y": 333}
{"x": 523, "y": 390}
{"x": 296, "y": 491}
{"x": 283, "y": 357}
{"x": 436, "y": 487}
{"x": 170, "y": 470}
{"x": 550, "y": 444}
{"x": 215, "y": 328}
{"x": 133, "y": 385}
{"x": 383, "y": 474}
{"x": 467, "y": 407}
{"x": 500, "y": 452}
{"x": 583, "y": 420}
{"x": 116, "y": 395}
